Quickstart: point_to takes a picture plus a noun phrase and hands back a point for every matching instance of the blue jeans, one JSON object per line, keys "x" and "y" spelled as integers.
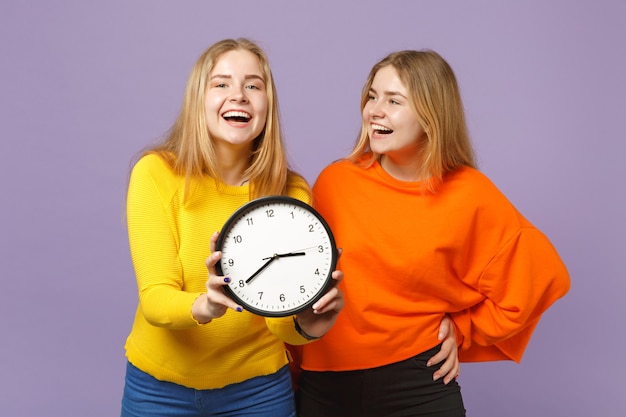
{"x": 262, "y": 396}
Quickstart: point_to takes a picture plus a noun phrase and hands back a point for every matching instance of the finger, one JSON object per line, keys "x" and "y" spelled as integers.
{"x": 450, "y": 367}
{"x": 337, "y": 275}
{"x": 216, "y": 295}
{"x": 216, "y": 282}
{"x": 453, "y": 374}
{"x": 434, "y": 360}
{"x": 448, "y": 370}
{"x": 212, "y": 260}
{"x": 447, "y": 348}
{"x": 331, "y": 301}
{"x": 323, "y": 308}
{"x": 214, "y": 240}
{"x": 326, "y": 299}
{"x": 444, "y": 369}
{"x": 444, "y": 328}
{"x": 331, "y": 293}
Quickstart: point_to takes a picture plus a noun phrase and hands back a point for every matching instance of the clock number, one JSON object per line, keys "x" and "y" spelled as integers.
{"x": 311, "y": 228}
{"x": 231, "y": 262}
{"x": 269, "y": 213}
{"x": 237, "y": 239}
{"x": 320, "y": 249}
{"x": 317, "y": 271}
{"x": 302, "y": 289}
{"x": 260, "y": 294}
{"x": 250, "y": 221}
{"x": 282, "y": 297}
{"x": 241, "y": 283}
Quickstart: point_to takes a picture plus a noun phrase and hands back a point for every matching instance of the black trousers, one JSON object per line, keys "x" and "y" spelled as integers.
{"x": 402, "y": 389}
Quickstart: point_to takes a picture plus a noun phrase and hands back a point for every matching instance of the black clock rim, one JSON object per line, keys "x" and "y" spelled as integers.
{"x": 278, "y": 199}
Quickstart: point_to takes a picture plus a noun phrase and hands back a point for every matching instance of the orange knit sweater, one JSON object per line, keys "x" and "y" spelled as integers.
{"x": 410, "y": 257}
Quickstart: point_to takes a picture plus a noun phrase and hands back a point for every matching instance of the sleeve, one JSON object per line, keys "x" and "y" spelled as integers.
{"x": 154, "y": 252}
{"x": 519, "y": 284}
{"x": 285, "y": 330}
{"x": 298, "y": 188}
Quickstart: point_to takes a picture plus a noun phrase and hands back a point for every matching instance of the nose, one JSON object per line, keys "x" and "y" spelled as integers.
{"x": 239, "y": 95}
{"x": 375, "y": 109}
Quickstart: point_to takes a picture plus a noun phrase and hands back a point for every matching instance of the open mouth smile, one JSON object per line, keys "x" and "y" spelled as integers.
{"x": 237, "y": 116}
{"x": 381, "y": 130}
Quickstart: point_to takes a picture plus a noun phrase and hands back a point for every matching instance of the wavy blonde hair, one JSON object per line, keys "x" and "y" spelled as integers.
{"x": 188, "y": 147}
{"x": 436, "y": 99}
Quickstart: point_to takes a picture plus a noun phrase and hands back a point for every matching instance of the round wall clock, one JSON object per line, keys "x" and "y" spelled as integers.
{"x": 279, "y": 254}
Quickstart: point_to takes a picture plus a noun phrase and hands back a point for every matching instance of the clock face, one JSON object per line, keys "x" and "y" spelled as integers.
{"x": 279, "y": 253}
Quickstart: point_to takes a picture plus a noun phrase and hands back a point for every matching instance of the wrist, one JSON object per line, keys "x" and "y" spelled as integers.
{"x": 302, "y": 332}
{"x": 199, "y": 310}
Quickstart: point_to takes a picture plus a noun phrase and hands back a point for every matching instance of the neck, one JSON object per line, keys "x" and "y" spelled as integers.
{"x": 407, "y": 171}
{"x": 232, "y": 166}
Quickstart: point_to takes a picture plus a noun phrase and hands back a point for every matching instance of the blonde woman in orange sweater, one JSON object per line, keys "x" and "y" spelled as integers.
{"x": 425, "y": 236}
{"x": 192, "y": 351}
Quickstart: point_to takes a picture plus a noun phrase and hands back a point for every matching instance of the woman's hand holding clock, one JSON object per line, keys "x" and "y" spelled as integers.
{"x": 316, "y": 321}
{"x": 275, "y": 257}
{"x": 214, "y": 303}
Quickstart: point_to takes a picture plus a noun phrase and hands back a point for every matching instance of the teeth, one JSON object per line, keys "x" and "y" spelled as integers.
{"x": 237, "y": 114}
{"x": 381, "y": 128}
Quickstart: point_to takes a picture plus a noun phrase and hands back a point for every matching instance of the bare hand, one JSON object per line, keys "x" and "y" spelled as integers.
{"x": 320, "y": 318}
{"x": 215, "y": 302}
{"x": 449, "y": 353}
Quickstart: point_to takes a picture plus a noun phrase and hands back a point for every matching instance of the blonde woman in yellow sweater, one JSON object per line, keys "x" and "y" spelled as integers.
{"x": 192, "y": 351}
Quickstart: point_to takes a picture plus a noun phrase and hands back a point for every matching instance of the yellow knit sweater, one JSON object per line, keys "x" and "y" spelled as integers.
{"x": 169, "y": 243}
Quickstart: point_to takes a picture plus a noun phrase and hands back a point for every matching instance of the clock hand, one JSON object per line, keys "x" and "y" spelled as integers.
{"x": 309, "y": 248}
{"x": 258, "y": 271}
{"x": 272, "y": 259}
{"x": 285, "y": 255}
{"x": 294, "y": 253}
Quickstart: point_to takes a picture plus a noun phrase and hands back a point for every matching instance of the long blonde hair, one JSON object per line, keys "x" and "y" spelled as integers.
{"x": 435, "y": 97}
{"x": 189, "y": 148}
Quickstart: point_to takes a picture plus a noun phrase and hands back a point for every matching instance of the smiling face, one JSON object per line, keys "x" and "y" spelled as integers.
{"x": 393, "y": 128}
{"x": 236, "y": 103}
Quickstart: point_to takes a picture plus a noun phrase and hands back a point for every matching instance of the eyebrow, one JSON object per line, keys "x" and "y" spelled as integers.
{"x": 247, "y": 77}
{"x": 389, "y": 93}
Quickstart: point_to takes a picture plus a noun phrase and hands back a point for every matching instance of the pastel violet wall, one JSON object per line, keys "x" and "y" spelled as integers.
{"x": 86, "y": 85}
